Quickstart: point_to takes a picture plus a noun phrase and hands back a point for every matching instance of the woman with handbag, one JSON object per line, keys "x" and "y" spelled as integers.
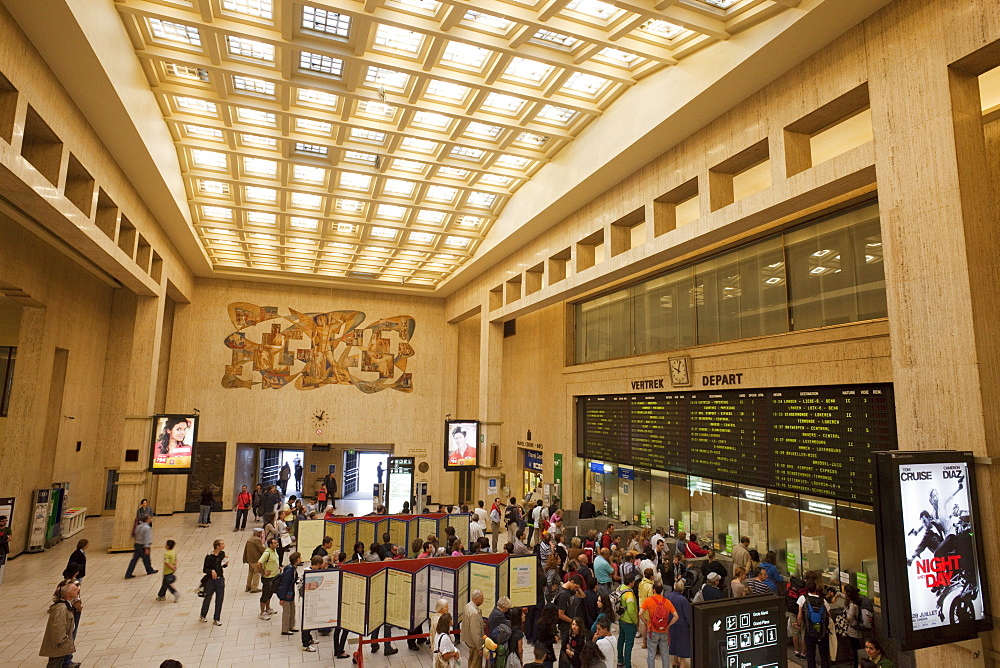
{"x": 446, "y": 655}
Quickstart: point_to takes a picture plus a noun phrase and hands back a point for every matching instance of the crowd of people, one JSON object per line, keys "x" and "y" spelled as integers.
{"x": 596, "y": 593}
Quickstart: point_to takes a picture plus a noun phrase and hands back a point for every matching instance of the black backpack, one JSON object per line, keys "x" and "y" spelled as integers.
{"x": 796, "y": 587}
{"x": 816, "y": 616}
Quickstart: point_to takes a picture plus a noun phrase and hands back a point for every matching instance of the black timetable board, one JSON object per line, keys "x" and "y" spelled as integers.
{"x": 813, "y": 440}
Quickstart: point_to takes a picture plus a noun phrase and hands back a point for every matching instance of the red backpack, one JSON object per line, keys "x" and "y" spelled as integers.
{"x": 659, "y": 615}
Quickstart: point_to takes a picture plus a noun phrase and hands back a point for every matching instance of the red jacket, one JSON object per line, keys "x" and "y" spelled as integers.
{"x": 243, "y": 501}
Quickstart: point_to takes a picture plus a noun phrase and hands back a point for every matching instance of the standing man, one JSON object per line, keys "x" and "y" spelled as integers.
{"x": 629, "y": 621}
{"x": 604, "y": 571}
{"x": 143, "y": 534}
{"x": 283, "y": 475}
{"x": 535, "y": 521}
{"x": 472, "y": 629}
{"x": 331, "y": 489}
{"x": 475, "y": 530}
{"x": 252, "y": 552}
{"x": 298, "y": 474}
{"x": 659, "y": 615}
{"x": 269, "y": 566}
{"x": 324, "y": 548}
{"x": 496, "y": 514}
{"x": 215, "y": 583}
{"x": 741, "y": 554}
{"x": 587, "y": 509}
{"x": 379, "y": 471}
{"x": 243, "y": 503}
{"x": 481, "y": 514}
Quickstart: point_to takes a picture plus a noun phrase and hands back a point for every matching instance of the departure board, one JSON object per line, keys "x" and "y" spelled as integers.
{"x": 658, "y": 431}
{"x": 813, "y": 440}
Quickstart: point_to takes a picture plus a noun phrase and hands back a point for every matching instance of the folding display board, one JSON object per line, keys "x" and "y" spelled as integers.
{"x": 309, "y": 534}
{"x": 351, "y": 536}
{"x": 399, "y": 533}
{"x": 427, "y": 526}
{"x": 335, "y": 531}
{"x": 367, "y": 532}
{"x": 398, "y": 598}
{"x": 320, "y": 599}
{"x": 522, "y": 580}
{"x": 421, "y": 585}
{"x": 354, "y": 602}
{"x": 460, "y": 522}
{"x": 376, "y": 600}
{"x": 442, "y": 583}
{"x": 484, "y": 578}
{"x": 462, "y": 577}
{"x": 381, "y": 528}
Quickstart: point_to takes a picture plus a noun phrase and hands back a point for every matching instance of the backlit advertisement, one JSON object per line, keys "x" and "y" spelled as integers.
{"x": 929, "y": 541}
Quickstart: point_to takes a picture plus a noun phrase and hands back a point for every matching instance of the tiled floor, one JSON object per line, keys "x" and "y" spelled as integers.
{"x": 123, "y": 624}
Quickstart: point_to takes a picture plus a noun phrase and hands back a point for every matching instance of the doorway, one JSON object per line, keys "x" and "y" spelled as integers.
{"x": 361, "y": 473}
{"x": 273, "y": 460}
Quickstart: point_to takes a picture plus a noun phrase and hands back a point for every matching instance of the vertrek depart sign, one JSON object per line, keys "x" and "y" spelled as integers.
{"x": 934, "y": 588}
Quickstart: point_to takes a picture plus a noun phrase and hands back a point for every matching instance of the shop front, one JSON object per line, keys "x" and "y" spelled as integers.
{"x": 532, "y": 472}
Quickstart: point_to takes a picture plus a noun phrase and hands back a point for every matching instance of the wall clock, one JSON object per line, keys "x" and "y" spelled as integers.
{"x": 680, "y": 371}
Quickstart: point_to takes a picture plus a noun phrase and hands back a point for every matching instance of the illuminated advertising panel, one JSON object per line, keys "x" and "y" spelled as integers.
{"x": 934, "y": 586}
{"x": 174, "y": 440}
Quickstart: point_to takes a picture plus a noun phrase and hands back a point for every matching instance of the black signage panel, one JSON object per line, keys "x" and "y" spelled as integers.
{"x": 740, "y": 632}
{"x": 814, "y": 440}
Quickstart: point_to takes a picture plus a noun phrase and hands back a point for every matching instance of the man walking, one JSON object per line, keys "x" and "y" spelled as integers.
{"x": 57, "y": 643}
{"x": 298, "y": 474}
{"x": 283, "y": 475}
{"x": 243, "y": 503}
{"x": 472, "y": 629}
{"x": 270, "y": 566}
{"x": 143, "y": 534}
{"x": 331, "y": 490}
{"x": 252, "y": 552}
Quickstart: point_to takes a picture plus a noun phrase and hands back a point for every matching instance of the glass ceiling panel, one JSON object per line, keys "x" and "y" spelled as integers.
{"x": 410, "y": 122}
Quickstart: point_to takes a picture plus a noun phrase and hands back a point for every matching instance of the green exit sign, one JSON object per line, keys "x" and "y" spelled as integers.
{"x": 350, "y": 452}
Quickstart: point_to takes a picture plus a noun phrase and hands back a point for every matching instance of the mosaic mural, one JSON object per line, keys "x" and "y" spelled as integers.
{"x": 309, "y": 350}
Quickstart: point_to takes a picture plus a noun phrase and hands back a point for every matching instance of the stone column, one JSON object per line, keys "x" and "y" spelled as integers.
{"x": 128, "y": 401}
{"x": 490, "y": 378}
{"x": 940, "y": 238}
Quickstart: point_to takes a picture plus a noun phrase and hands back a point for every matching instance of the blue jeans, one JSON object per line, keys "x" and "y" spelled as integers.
{"x": 139, "y": 553}
{"x": 661, "y": 640}
{"x": 204, "y": 514}
{"x": 218, "y": 588}
{"x": 626, "y": 640}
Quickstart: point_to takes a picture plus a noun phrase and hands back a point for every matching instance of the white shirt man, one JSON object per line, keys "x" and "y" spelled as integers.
{"x": 476, "y": 530}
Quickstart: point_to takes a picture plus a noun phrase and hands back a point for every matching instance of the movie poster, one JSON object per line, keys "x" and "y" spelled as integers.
{"x": 174, "y": 441}
{"x": 941, "y": 558}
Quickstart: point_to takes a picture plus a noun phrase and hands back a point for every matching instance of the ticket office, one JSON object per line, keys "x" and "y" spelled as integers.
{"x": 806, "y": 532}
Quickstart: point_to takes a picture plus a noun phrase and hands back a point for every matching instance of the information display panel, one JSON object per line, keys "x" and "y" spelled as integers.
{"x": 320, "y": 599}
{"x": 354, "y": 603}
{"x": 309, "y": 534}
{"x": 399, "y": 483}
{"x": 739, "y": 632}
{"x": 814, "y": 440}
{"x": 376, "y": 599}
{"x": 931, "y": 558}
{"x": 522, "y": 581}
{"x": 421, "y": 592}
{"x": 398, "y": 598}
{"x": 484, "y": 578}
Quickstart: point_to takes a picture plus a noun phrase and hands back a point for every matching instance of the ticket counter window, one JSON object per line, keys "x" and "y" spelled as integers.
{"x": 819, "y": 537}
{"x": 782, "y": 533}
{"x": 857, "y": 546}
{"x": 642, "y": 490}
{"x": 602, "y": 484}
{"x": 701, "y": 507}
{"x": 753, "y": 515}
{"x": 658, "y": 514}
{"x": 626, "y": 493}
{"x": 726, "y": 517}
{"x": 680, "y": 503}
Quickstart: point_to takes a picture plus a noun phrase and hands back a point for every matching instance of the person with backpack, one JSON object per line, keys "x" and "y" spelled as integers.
{"x": 286, "y": 593}
{"x": 659, "y": 615}
{"x": 793, "y": 600}
{"x": 853, "y": 615}
{"x": 813, "y": 617}
{"x": 626, "y": 606}
{"x": 645, "y": 591}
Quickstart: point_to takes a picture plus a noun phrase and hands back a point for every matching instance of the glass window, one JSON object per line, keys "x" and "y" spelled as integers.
{"x": 782, "y": 533}
{"x": 701, "y": 507}
{"x": 819, "y": 537}
{"x": 602, "y": 327}
{"x": 603, "y": 487}
{"x": 657, "y": 510}
{"x": 725, "y": 516}
{"x": 641, "y": 496}
{"x": 626, "y": 495}
{"x": 857, "y": 548}
{"x": 663, "y": 312}
{"x": 753, "y": 516}
{"x": 680, "y": 504}
{"x": 831, "y": 279}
